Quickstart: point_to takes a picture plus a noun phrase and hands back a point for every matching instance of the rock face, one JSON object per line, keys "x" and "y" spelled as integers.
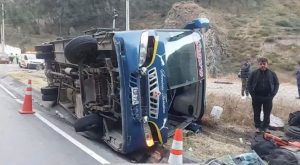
{"x": 184, "y": 12}
{"x": 215, "y": 50}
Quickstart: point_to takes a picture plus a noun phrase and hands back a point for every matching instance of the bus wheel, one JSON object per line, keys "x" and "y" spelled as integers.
{"x": 81, "y": 49}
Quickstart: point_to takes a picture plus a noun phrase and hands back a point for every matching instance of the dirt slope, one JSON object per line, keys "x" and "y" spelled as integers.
{"x": 246, "y": 29}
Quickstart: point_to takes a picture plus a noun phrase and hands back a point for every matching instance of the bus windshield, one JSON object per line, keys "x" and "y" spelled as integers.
{"x": 180, "y": 58}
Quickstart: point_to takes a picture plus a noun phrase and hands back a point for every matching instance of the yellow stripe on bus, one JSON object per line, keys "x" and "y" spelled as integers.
{"x": 158, "y": 131}
{"x": 154, "y": 51}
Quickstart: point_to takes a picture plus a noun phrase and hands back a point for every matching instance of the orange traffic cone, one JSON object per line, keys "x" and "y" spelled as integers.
{"x": 176, "y": 149}
{"x": 27, "y": 104}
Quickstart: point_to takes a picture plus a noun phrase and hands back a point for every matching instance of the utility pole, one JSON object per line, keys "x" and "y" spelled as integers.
{"x": 114, "y": 19}
{"x": 2, "y": 30}
{"x": 127, "y": 15}
{"x": 60, "y": 19}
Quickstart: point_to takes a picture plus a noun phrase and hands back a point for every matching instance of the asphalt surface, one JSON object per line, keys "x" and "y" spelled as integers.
{"x": 26, "y": 139}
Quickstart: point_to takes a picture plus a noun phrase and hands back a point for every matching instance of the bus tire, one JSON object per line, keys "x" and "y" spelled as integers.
{"x": 49, "y": 97}
{"x": 88, "y": 122}
{"x": 49, "y": 90}
{"x": 81, "y": 49}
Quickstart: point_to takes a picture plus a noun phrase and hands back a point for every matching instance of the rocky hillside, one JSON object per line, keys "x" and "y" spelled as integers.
{"x": 31, "y": 21}
{"x": 268, "y": 28}
{"x": 246, "y": 29}
{"x": 240, "y": 28}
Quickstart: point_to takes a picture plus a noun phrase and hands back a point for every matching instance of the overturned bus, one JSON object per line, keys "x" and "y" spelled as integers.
{"x": 134, "y": 88}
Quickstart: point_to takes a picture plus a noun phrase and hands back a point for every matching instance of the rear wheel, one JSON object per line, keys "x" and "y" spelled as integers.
{"x": 81, "y": 49}
{"x": 89, "y": 122}
{"x": 49, "y": 90}
{"x": 49, "y": 97}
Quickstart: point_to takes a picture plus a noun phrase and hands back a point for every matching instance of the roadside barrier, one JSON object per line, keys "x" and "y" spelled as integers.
{"x": 177, "y": 147}
{"x": 27, "y": 104}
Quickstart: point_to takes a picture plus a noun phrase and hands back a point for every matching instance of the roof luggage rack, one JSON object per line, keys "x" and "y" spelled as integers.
{"x": 98, "y": 31}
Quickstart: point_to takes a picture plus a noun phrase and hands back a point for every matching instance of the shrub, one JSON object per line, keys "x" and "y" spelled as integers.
{"x": 235, "y": 110}
{"x": 270, "y": 40}
{"x": 288, "y": 66}
{"x": 264, "y": 32}
{"x": 284, "y": 23}
{"x": 273, "y": 57}
{"x": 282, "y": 13}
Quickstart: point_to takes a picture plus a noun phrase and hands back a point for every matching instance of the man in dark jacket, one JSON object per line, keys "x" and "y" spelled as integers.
{"x": 244, "y": 74}
{"x": 298, "y": 80}
{"x": 263, "y": 85}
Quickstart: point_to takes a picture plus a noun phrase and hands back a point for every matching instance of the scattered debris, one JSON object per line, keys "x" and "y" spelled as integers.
{"x": 216, "y": 112}
{"x": 275, "y": 122}
{"x": 196, "y": 128}
{"x": 59, "y": 114}
{"x": 245, "y": 158}
{"x": 222, "y": 82}
{"x": 241, "y": 140}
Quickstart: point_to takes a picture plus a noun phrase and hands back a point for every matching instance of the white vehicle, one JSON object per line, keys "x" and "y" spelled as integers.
{"x": 4, "y": 58}
{"x": 30, "y": 61}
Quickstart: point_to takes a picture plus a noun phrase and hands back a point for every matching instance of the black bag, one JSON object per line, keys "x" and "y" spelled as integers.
{"x": 294, "y": 118}
{"x": 262, "y": 146}
{"x": 283, "y": 156}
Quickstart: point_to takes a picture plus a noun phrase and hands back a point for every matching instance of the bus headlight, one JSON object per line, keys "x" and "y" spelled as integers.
{"x": 143, "y": 48}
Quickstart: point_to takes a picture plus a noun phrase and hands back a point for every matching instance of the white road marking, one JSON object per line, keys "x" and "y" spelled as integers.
{"x": 7, "y": 91}
{"x": 19, "y": 101}
{"x": 62, "y": 133}
{"x": 72, "y": 140}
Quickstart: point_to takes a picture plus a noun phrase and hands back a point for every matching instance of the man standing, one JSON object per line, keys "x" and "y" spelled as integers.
{"x": 17, "y": 58}
{"x": 244, "y": 74}
{"x": 11, "y": 58}
{"x": 263, "y": 86}
{"x": 298, "y": 79}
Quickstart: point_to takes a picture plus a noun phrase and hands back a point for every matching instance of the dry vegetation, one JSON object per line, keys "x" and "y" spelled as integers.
{"x": 37, "y": 77}
{"x": 236, "y": 112}
{"x": 268, "y": 28}
{"x": 221, "y": 137}
{"x": 245, "y": 29}
{"x": 239, "y": 112}
{"x": 205, "y": 147}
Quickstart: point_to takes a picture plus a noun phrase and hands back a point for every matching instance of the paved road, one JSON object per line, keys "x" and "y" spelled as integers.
{"x": 5, "y": 68}
{"x": 26, "y": 139}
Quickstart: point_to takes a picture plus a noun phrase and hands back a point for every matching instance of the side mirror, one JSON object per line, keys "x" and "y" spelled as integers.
{"x": 199, "y": 23}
